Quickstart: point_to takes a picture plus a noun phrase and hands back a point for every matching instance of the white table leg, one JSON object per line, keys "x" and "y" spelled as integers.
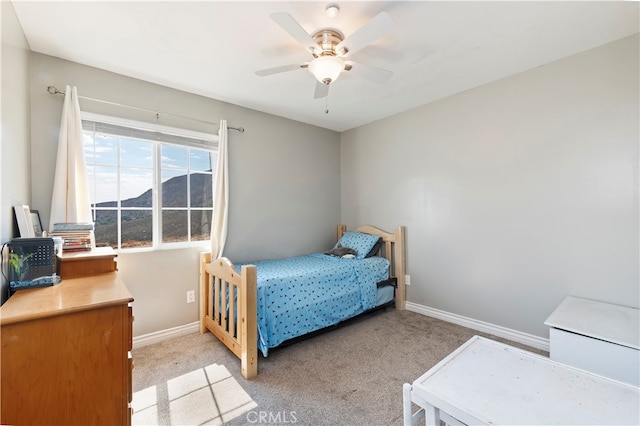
{"x": 406, "y": 405}
{"x": 432, "y": 415}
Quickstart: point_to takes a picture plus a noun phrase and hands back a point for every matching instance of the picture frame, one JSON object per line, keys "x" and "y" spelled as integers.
{"x": 37, "y": 224}
{"x": 24, "y": 221}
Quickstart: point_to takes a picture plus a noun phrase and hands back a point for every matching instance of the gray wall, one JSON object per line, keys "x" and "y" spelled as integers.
{"x": 15, "y": 178}
{"x": 515, "y": 194}
{"x": 284, "y": 181}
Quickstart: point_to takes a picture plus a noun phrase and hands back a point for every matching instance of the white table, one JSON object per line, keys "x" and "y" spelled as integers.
{"x": 487, "y": 382}
{"x": 599, "y": 337}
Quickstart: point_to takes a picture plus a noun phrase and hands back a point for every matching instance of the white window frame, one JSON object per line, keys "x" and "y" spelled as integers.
{"x": 156, "y": 208}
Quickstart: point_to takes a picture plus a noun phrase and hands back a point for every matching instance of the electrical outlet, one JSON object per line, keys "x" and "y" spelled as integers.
{"x": 407, "y": 280}
{"x": 191, "y": 296}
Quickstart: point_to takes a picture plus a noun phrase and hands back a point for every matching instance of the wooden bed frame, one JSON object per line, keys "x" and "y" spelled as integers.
{"x": 219, "y": 279}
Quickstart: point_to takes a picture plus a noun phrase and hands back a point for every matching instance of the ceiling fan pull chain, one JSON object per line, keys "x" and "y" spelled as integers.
{"x": 326, "y": 104}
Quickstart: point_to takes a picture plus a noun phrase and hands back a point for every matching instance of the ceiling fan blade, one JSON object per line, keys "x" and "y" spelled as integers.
{"x": 283, "y": 68}
{"x": 380, "y": 25}
{"x": 369, "y": 72}
{"x": 322, "y": 90}
{"x": 296, "y": 31}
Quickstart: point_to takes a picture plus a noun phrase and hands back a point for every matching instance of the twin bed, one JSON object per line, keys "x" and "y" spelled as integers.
{"x": 258, "y": 306}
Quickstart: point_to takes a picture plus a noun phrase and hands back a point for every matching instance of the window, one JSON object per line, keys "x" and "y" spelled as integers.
{"x": 150, "y": 185}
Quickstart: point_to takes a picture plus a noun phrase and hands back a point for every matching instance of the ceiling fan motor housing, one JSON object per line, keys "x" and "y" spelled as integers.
{"x": 328, "y": 40}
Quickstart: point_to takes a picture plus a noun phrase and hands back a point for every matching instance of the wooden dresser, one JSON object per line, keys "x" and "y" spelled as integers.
{"x": 66, "y": 353}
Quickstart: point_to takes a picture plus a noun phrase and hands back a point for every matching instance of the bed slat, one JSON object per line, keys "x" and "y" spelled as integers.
{"x": 232, "y": 310}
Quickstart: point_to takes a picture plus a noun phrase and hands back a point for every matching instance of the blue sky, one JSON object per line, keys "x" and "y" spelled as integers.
{"x": 136, "y": 165}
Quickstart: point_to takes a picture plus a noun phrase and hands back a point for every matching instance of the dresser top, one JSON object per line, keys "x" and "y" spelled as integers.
{"x": 604, "y": 321}
{"x": 71, "y": 295}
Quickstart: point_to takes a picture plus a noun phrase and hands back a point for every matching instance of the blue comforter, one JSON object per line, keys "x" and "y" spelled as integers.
{"x": 303, "y": 294}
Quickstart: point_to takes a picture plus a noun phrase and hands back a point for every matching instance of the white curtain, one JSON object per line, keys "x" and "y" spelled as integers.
{"x": 70, "y": 199}
{"x": 220, "y": 196}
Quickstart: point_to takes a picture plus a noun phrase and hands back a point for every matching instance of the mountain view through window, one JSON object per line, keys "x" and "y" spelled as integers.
{"x": 123, "y": 172}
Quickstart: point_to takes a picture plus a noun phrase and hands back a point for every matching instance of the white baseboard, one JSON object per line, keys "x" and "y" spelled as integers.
{"x": 159, "y": 336}
{"x": 496, "y": 330}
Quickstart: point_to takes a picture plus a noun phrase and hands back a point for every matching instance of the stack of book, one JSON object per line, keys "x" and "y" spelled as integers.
{"x": 75, "y": 236}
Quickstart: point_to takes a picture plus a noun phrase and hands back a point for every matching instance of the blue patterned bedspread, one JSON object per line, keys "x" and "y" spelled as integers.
{"x": 303, "y": 294}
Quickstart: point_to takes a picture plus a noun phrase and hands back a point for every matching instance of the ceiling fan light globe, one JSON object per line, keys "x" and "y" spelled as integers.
{"x": 326, "y": 69}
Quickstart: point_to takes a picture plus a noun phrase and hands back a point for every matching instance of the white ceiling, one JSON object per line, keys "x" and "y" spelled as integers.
{"x": 213, "y": 48}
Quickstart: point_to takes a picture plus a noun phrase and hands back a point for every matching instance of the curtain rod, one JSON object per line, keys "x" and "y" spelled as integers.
{"x": 54, "y": 91}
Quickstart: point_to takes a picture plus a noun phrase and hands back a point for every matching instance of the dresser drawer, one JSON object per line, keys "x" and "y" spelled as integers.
{"x": 130, "y": 328}
{"x": 130, "y": 381}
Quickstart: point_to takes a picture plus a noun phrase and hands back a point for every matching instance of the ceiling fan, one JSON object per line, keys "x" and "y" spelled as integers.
{"x": 331, "y": 50}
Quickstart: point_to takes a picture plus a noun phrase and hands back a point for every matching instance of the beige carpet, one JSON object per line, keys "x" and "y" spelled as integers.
{"x": 352, "y": 375}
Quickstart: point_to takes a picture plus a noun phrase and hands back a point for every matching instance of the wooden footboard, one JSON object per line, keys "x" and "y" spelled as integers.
{"x": 228, "y": 308}
{"x": 228, "y": 299}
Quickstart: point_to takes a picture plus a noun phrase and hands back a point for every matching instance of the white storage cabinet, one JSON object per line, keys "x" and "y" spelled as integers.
{"x": 598, "y": 337}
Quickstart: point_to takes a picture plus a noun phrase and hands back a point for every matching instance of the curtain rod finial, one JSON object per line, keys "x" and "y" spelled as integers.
{"x": 54, "y": 90}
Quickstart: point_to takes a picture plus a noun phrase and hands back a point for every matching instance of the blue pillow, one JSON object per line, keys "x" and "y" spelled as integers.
{"x": 362, "y": 243}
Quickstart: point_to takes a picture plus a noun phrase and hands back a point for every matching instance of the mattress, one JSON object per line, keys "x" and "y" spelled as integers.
{"x": 385, "y": 295}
